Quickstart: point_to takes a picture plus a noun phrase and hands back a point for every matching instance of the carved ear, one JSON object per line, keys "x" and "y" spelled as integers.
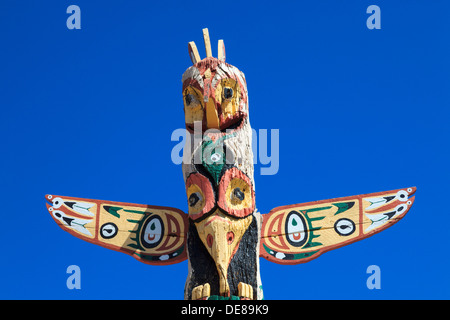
{"x": 301, "y": 232}
{"x": 151, "y": 234}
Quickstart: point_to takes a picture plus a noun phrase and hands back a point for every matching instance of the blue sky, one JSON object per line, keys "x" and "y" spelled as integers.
{"x": 89, "y": 113}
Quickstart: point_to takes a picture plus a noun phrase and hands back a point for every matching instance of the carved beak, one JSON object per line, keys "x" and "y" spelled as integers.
{"x": 212, "y": 117}
{"x": 221, "y": 236}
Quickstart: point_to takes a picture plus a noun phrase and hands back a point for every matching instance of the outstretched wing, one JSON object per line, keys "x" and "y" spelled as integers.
{"x": 301, "y": 232}
{"x": 151, "y": 234}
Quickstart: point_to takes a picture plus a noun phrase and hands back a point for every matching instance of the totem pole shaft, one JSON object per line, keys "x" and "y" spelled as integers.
{"x": 224, "y": 225}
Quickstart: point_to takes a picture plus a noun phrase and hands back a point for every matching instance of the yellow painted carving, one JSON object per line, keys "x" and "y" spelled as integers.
{"x": 201, "y": 292}
{"x": 327, "y": 236}
{"x": 230, "y": 105}
{"x": 194, "y": 110}
{"x": 193, "y": 188}
{"x": 127, "y": 220}
{"x": 212, "y": 118}
{"x": 235, "y": 201}
{"x": 245, "y": 291}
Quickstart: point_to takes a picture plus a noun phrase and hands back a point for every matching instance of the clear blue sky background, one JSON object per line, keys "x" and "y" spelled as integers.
{"x": 90, "y": 113}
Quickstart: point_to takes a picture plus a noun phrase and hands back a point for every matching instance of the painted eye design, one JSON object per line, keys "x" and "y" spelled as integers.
{"x": 194, "y": 198}
{"x": 153, "y": 231}
{"x": 190, "y": 99}
{"x": 57, "y": 214}
{"x": 296, "y": 229}
{"x": 227, "y": 93}
{"x": 216, "y": 157}
{"x": 108, "y": 230}
{"x": 193, "y": 109}
{"x": 400, "y": 209}
{"x": 344, "y": 227}
{"x": 196, "y": 201}
{"x": 402, "y": 195}
{"x": 57, "y": 202}
{"x": 236, "y": 195}
{"x": 201, "y": 199}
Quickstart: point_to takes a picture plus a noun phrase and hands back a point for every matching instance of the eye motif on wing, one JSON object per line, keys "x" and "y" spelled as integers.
{"x": 296, "y": 229}
{"x": 74, "y": 223}
{"x": 77, "y": 206}
{"x": 298, "y": 233}
{"x": 400, "y": 196}
{"x": 151, "y": 234}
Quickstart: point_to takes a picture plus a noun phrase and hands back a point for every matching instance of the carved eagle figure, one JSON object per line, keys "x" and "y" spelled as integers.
{"x": 222, "y": 234}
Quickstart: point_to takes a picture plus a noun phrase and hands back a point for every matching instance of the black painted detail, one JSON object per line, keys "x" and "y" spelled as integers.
{"x": 227, "y": 93}
{"x": 193, "y": 199}
{"x": 188, "y": 99}
{"x": 69, "y": 204}
{"x": 68, "y": 220}
{"x": 390, "y": 214}
{"x": 344, "y": 227}
{"x": 108, "y": 230}
{"x": 239, "y": 194}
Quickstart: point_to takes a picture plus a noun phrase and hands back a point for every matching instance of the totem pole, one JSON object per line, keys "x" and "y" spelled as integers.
{"x": 223, "y": 235}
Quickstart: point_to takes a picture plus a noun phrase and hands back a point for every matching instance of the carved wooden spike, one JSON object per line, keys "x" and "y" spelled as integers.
{"x": 193, "y": 52}
{"x": 207, "y": 43}
{"x": 221, "y": 51}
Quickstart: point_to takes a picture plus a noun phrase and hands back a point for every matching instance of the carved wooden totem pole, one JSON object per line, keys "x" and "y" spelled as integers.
{"x": 223, "y": 235}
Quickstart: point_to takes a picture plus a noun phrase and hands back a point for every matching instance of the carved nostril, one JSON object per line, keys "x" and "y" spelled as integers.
{"x": 209, "y": 240}
{"x": 230, "y": 237}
